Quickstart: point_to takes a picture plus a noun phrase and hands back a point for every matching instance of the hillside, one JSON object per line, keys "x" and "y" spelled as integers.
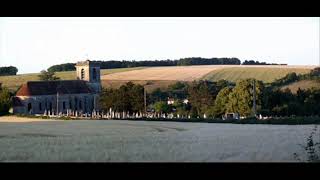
{"x": 14, "y": 82}
{"x": 163, "y": 76}
{"x": 266, "y": 74}
{"x": 304, "y": 84}
{"x": 233, "y": 73}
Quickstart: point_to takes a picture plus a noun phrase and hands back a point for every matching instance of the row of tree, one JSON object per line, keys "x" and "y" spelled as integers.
{"x": 252, "y": 62}
{"x": 7, "y": 71}
{"x": 127, "y": 64}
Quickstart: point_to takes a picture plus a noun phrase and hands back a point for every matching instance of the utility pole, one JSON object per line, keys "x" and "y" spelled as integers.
{"x": 254, "y": 98}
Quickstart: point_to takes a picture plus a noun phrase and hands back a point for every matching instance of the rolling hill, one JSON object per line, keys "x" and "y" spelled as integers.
{"x": 14, "y": 82}
{"x": 161, "y": 77}
{"x": 303, "y": 85}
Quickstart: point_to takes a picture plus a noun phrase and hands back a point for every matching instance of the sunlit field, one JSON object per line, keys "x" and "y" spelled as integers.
{"x": 36, "y": 140}
{"x": 14, "y": 82}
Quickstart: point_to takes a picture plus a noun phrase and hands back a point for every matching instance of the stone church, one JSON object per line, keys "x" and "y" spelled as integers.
{"x": 63, "y": 96}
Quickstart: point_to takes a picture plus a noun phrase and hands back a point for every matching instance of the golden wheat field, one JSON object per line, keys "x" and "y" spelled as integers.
{"x": 176, "y": 73}
{"x": 265, "y": 73}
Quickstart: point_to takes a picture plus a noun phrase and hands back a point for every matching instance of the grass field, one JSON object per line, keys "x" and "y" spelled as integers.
{"x": 304, "y": 84}
{"x": 14, "y": 82}
{"x": 265, "y": 74}
{"x": 35, "y": 140}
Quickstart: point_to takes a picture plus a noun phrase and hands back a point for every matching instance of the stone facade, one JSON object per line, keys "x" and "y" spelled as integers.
{"x": 89, "y": 71}
{"x": 40, "y": 104}
{"x": 57, "y": 97}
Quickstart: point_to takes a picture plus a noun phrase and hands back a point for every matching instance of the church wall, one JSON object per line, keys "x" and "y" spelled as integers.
{"x": 79, "y": 102}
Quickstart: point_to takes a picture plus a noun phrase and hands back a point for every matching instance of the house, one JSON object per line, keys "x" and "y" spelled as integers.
{"x": 38, "y": 97}
{"x": 185, "y": 101}
{"x": 170, "y": 101}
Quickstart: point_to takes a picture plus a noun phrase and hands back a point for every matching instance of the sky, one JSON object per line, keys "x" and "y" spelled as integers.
{"x": 36, "y": 43}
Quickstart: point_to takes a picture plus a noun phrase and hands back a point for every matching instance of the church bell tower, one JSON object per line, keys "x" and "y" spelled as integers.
{"x": 89, "y": 71}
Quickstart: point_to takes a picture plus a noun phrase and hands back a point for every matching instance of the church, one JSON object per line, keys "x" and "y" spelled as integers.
{"x": 62, "y": 96}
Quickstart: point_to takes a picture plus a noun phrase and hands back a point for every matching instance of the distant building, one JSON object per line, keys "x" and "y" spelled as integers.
{"x": 170, "y": 101}
{"x": 185, "y": 101}
{"x": 37, "y": 97}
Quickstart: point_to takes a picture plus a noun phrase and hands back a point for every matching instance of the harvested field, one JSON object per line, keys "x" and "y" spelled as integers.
{"x": 34, "y": 140}
{"x": 233, "y": 73}
{"x": 175, "y": 73}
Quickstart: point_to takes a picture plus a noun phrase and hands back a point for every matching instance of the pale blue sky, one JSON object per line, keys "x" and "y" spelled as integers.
{"x": 33, "y": 44}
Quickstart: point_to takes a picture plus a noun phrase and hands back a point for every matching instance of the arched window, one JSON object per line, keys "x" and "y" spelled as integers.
{"x": 50, "y": 106}
{"x": 82, "y": 74}
{"x": 40, "y": 106}
{"x": 63, "y": 105}
{"x": 94, "y": 74}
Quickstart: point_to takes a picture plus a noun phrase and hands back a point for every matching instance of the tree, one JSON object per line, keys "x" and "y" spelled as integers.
{"x": 10, "y": 70}
{"x": 315, "y": 71}
{"x": 241, "y": 97}
{"x": 5, "y": 101}
{"x": 201, "y": 96}
{"x": 62, "y": 67}
{"x": 47, "y": 76}
{"x": 162, "y": 107}
{"x": 220, "y": 104}
{"x": 128, "y": 97}
{"x": 157, "y": 95}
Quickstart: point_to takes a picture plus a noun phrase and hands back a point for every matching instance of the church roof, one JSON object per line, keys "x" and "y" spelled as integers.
{"x": 33, "y": 88}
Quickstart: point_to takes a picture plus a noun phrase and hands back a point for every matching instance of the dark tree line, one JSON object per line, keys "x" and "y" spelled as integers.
{"x": 207, "y": 61}
{"x": 252, "y": 62}
{"x": 10, "y": 70}
{"x": 149, "y": 63}
{"x": 284, "y": 103}
{"x": 62, "y": 67}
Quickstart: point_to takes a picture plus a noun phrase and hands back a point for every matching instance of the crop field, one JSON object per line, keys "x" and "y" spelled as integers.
{"x": 36, "y": 140}
{"x": 176, "y": 73}
{"x": 303, "y": 85}
{"x": 209, "y": 72}
{"x": 265, "y": 74}
{"x": 14, "y": 82}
